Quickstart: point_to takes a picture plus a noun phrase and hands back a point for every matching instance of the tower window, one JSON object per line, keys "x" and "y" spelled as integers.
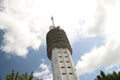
{"x": 60, "y": 56}
{"x": 62, "y": 67}
{"x": 67, "y": 61}
{"x": 70, "y": 73}
{"x": 63, "y": 73}
{"x": 68, "y": 67}
{"x": 61, "y": 61}
{"x": 66, "y": 56}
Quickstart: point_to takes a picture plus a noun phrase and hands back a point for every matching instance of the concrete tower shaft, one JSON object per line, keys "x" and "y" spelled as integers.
{"x": 56, "y": 38}
{"x": 59, "y": 52}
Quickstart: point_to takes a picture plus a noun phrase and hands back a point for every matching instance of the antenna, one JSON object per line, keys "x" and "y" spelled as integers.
{"x": 53, "y": 25}
{"x": 52, "y": 19}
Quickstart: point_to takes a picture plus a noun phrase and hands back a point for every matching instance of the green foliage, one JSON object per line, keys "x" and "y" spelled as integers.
{"x": 112, "y": 76}
{"x": 17, "y": 76}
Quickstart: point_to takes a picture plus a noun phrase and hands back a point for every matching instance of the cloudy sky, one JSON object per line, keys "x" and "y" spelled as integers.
{"x": 92, "y": 27}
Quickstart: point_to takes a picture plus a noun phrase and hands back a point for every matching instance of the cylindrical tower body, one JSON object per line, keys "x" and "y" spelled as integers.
{"x": 59, "y": 52}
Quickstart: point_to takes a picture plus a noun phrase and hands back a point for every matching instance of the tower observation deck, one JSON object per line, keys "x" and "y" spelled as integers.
{"x": 59, "y": 52}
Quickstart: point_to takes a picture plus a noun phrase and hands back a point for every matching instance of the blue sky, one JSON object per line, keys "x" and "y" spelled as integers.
{"x": 92, "y": 27}
{"x": 33, "y": 60}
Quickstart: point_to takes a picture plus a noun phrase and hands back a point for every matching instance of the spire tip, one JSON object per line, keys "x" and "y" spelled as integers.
{"x": 53, "y": 25}
{"x": 52, "y": 19}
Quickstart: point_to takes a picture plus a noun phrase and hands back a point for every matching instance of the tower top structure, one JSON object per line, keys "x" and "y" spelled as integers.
{"x": 56, "y": 38}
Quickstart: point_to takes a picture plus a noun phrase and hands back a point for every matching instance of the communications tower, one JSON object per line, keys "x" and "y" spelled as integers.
{"x": 59, "y": 52}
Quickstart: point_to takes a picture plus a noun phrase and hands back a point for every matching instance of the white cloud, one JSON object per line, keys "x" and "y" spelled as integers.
{"x": 97, "y": 26}
{"x": 27, "y": 21}
{"x": 45, "y": 74}
{"x": 107, "y": 55}
{"x": 22, "y": 28}
{"x": 17, "y": 39}
{"x": 106, "y": 19}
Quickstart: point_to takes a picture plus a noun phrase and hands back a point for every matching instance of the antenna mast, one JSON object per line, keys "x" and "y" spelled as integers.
{"x": 52, "y": 19}
{"x": 53, "y": 25}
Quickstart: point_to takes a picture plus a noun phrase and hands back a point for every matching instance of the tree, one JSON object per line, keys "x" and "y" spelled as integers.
{"x": 102, "y": 74}
{"x": 17, "y": 76}
{"x": 112, "y": 76}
